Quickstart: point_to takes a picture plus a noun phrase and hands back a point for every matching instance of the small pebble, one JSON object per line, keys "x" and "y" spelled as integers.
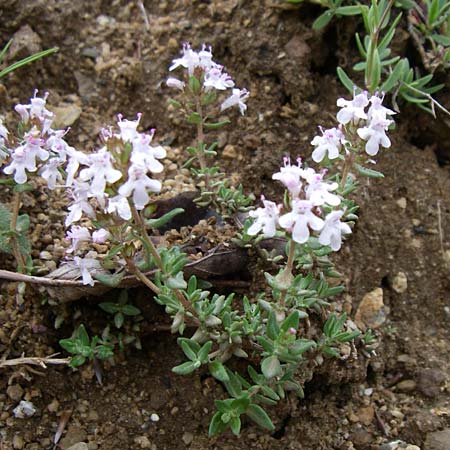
{"x": 406, "y": 385}
{"x": 17, "y": 442}
{"x": 399, "y": 283}
{"x": 154, "y": 417}
{"x": 24, "y": 410}
{"x": 187, "y": 438}
{"x": 15, "y": 392}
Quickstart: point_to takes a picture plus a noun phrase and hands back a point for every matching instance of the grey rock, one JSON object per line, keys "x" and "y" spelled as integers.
{"x": 438, "y": 440}
{"x": 429, "y": 382}
{"x": 79, "y": 446}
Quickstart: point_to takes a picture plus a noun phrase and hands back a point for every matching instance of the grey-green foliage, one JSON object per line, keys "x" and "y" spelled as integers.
{"x": 384, "y": 71}
{"x": 83, "y": 348}
{"x": 429, "y": 25}
{"x": 224, "y": 330}
{"x": 22, "y": 227}
{"x": 16, "y": 65}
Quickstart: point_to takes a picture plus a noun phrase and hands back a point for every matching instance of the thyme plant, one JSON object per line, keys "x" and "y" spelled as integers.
{"x": 283, "y": 332}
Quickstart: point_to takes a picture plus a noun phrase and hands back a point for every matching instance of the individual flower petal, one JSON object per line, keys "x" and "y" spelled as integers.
{"x": 175, "y": 83}
{"x": 375, "y": 135}
{"x": 238, "y": 97}
{"x": 300, "y": 220}
{"x": 119, "y": 205}
{"x": 100, "y": 236}
{"x": 266, "y": 219}
{"x": 352, "y": 110}
{"x": 290, "y": 176}
{"x": 333, "y": 230}
{"x": 78, "y": 235}
{"x": 330, "y": 142}
{"x": 86, "y": 265}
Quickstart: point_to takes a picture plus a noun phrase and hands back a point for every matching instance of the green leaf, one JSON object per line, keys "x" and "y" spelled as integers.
{"x": 218, "y": 371}
{"x": 194, "y": 85}
{"x": 271, "y": 367}
{"x": 69, "y": 345}
{"x": 301, "y": 346}
{"x": 25, "y": 187}
{"x": 376, "y": 70}
{"x": 352, "y": 10}
{"x": 77, "y": 360}
{"x": 273, "y": 329}
{"x": 176, "y": 282}
{"x": 5, "y": 49}
{"x": 194, "y": 118}
{"x": 109, "y": 307}
{"x": 235, "y": 425}
{"x": 82, "y": 335}
{"x": 161, "y": 221}
{"x": 5, "y": 218}
{"x": 216, "y": 125}
{"x": 345, "y": 80}
{"x": 216, "y": 426}
{"x": 440, "y": 39}
{"x": 190, "y": 352}
{"x": 323, "y": 20}
{"x": 393, "y": 77}
{"x": 204, "y": 351}
{"x": 234, "y": 386}
{"x": 290, "y": 322}
{"x": 23, "y": 223}
{"x": 119, "y": 318}
{"x": 260, "y": 417}
{"x": 130, "y": 310}
{"x": 185, "y": 368}
{"x": 27, "y": 60}
{"x": 104, "y": 351}
{"x": 368, "y": 172}
{"x": 110, "y": 280}
{"x": 433, "y": 12}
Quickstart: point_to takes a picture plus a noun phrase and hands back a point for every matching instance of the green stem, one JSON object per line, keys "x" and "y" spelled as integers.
{"x": 143, "y": 233}
{"x": 374, "y": 36}
{"x": 287, "y": 272}
{"x": 14, "y": 241}
{"x": 201, "y": 141}
{"x": 348, "y": 164}
{"x": 149, "y": 244}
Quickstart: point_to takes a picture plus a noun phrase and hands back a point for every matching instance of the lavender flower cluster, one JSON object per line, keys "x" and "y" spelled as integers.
{"x": 371, "y": 126}
{"x": 110, "y": 181}
{"x": 309, "y": 193}
{"x": 212, "y": 74}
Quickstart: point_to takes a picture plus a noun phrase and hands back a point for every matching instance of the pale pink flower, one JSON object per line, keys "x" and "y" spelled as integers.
{"x": 300, "y": 220}
{"x": 138, "y": 184}
{"x": 266, "y": 219}
{"x": 175, "y": 83}
{"x": 330, "y": 142}
{"x": 352, "y": 110}
{"x": 375, "y": 135}
{"x": 237, "y": 98}
{"x": 215, "y": 78}
{"x": 100, "y": 236}
{"x": 333, "y": 230}
{"x": 290, "y": 176}
{"x": 100, "y": 171}
{"x": 119, "y": 205}
{"x": 78, "y": 235}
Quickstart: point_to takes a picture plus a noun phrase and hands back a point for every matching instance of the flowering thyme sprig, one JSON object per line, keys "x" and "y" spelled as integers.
{"x": 363, "y": 123}
{"x": 204, "y": 81}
